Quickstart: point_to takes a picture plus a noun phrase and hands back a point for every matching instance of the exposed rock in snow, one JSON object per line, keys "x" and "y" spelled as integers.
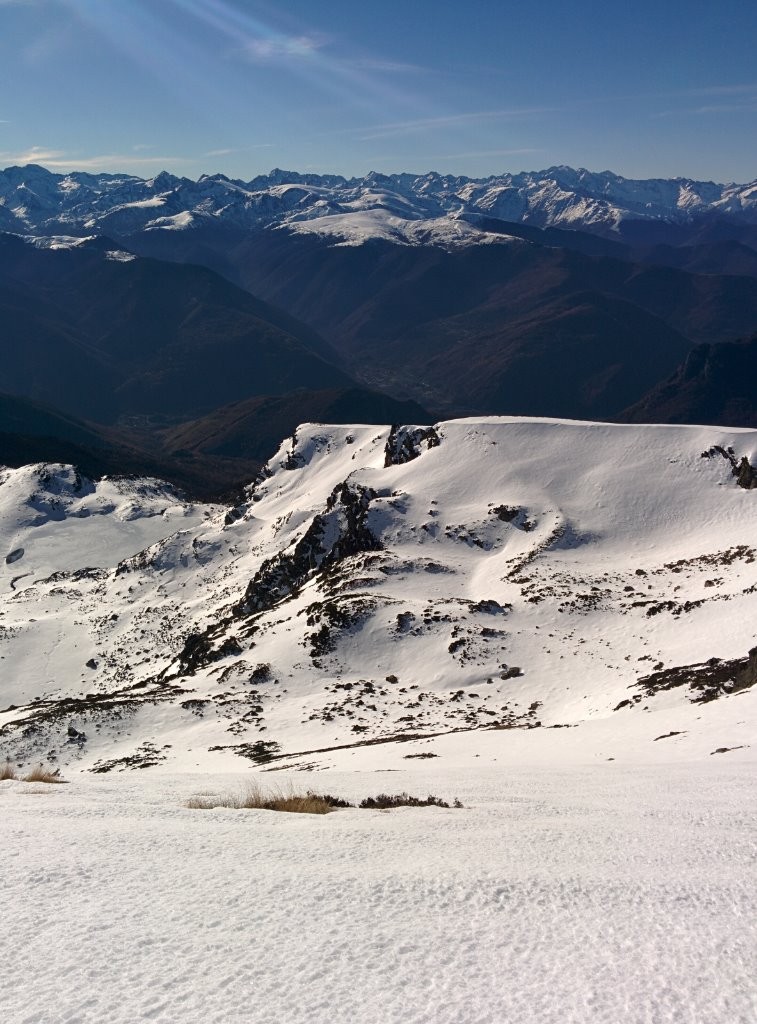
{"x": 514, "y": 575}
{"x": 406, "y": 443}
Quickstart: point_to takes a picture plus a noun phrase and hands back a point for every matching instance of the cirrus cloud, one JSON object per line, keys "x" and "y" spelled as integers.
{"x": 264, "y": 49}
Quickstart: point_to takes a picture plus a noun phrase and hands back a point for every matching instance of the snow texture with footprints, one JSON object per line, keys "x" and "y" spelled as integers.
{"x": 584, "y": 895}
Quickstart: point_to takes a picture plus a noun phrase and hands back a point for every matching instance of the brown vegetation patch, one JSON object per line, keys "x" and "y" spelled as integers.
{"x": 253, "y": 798}
{"x": 42, "y": 774}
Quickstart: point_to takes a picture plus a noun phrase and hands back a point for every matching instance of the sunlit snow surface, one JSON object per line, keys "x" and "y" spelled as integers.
{"x": 495, "y": 611}
{"x": 600, "y": 895}
{"x": 516, "y": 582}
{"x": 359, "y": 228}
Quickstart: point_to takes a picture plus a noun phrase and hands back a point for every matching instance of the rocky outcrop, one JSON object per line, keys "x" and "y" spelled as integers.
{"x": 706, "y": 681}
{"x": 746, "y": 474}
{"x": 199, "y": 650}
{"x": 743, "y": 470}
{"x": 406, "y": 443}
{"x": 334, "y": 534}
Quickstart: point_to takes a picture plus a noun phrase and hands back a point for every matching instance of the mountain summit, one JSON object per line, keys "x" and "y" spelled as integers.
{"x": 34, "y": 199}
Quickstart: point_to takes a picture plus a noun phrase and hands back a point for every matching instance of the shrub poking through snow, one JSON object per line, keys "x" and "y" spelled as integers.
{"x": 383, "y": 801}
{"x": 7, "y": 771}
{"x": 253, "y": 798}
{"x": 42, "y": 774}
{"x": 334, "y": 801}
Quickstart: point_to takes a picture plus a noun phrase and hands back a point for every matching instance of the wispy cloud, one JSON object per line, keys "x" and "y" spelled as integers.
{"x": 263, "y": 49}
{"x": 727, "y": 108}
{"x": 33, "y": 155}
{"x": 722, "y": 90}
{"x": 747, "y": 105}
{"x": 474, "y": 153}
{"x": 729, "y": 99}
{"x": 244, "y": 149}
{"x": 382, "y": 131}
{"x": 59, "y": 160}
{"x": 387, "y": 66}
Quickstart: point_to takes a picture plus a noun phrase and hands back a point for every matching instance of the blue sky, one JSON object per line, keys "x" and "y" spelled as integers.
{"x": 649, "y": 89}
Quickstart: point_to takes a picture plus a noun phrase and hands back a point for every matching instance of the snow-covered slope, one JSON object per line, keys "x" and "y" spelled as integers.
{"x": 34, "y": 200}
{"x": 516, "y": 588}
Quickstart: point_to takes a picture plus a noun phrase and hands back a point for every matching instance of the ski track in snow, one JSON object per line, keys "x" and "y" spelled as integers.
{"x": 581, "y": 896}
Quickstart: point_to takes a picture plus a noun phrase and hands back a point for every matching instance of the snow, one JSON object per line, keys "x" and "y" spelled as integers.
{"x": 517, "y": 583}
{"x": 602, "y": 867}
{"x": 64, "y": 522}
{"x": 57, "y": 241}
{"x": 360, "y": 227}
{"x": 179, "y": 222}
{"x": 588, "y": 895}
{"x": 551, "y": 197}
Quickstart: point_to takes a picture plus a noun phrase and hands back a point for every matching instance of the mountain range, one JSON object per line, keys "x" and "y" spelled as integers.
{"x": 34, "y": 199}
{"x": 180, "y": 320}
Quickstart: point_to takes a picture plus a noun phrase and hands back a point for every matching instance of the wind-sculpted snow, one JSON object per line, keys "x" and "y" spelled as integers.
{"x": 537, "y": 589}
{"x": 407, "y": 209}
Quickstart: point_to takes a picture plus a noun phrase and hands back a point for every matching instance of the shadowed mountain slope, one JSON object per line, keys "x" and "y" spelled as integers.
{"x": 715, "y": 384}
{"x": 483, "y": 328}
{"x": 101, "y": 334}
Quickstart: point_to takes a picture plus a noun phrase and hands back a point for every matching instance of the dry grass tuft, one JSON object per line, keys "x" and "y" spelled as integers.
{"x": 7, "y": 771}
{"x": 42, "y": 774}
{"x": 310, "y": 803}
{"x": 253, "y": 798}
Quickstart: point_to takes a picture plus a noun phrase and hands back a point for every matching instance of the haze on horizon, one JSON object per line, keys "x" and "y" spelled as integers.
{"x": 200, "y": 86}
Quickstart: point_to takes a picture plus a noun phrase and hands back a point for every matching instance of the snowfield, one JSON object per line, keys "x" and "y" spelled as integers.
{"x": 584, "y": 895}
{"x": 552, "y": 621}
{"x": 554, "y": 589}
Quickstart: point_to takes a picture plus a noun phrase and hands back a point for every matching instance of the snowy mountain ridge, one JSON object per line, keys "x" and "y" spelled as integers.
{"x": 533, "y": 589}
{"x": 35, "y": 200}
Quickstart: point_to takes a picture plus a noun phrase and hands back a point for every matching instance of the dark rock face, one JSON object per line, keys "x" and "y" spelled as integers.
{"x": 74, "y": 736}
{"x": 334, "y": 534}
{"x": 748, "y": 676}
{"x": 707, "y": 681}
{"x": 746, "y": 475}
{"x": 505, "y": 513}
{"x": 199, "y": 650}
{"x": 744, "y": 471}
{"x": 406, "y": 443}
